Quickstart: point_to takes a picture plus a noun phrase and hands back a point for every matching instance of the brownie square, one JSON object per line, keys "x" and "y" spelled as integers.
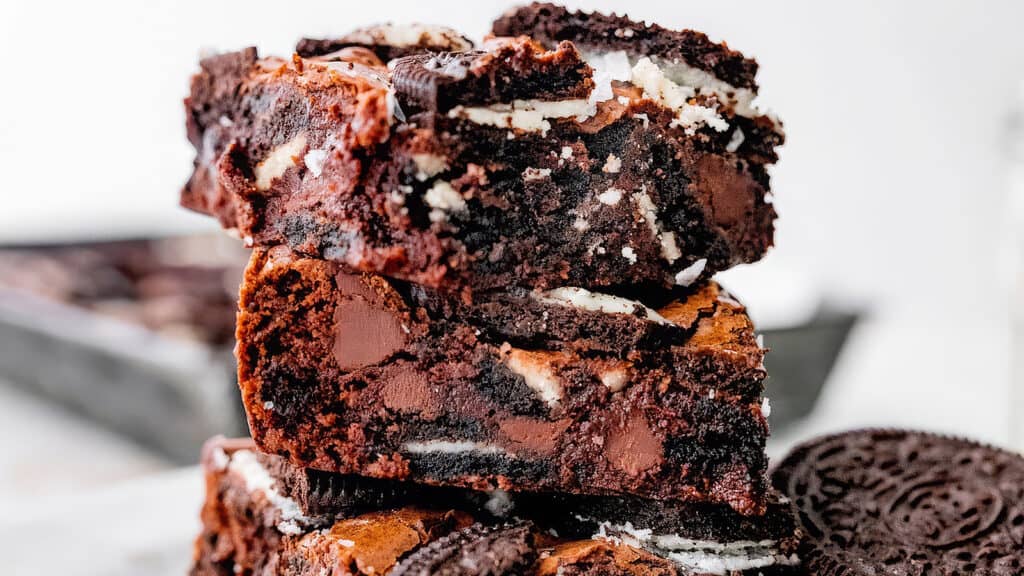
{"x": 524, "y": 390}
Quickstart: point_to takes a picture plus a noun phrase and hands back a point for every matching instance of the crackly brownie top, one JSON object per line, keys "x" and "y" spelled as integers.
{"x": 593, "y": 557}
{"x": 389, "y": 41}
{"x": 243, "y": 94}
{"x": 550, "y": 24}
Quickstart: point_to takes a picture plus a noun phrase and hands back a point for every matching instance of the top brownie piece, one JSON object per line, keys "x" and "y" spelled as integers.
{"x": 531, "y": 163}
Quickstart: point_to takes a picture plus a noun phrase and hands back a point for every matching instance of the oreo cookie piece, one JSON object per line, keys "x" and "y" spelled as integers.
{"x": 904, "y": 502}
{"x": 475, "y": 551}
{"x": 509, "y": 70}
{"x": 389, "y": 41}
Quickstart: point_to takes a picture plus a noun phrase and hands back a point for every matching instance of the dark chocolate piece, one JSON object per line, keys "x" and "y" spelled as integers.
{"x": 349, "y": 374}
{"x": 904, "y": 502}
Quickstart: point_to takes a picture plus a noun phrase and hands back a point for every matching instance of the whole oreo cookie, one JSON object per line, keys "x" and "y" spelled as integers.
{"x": 901, "y": 502}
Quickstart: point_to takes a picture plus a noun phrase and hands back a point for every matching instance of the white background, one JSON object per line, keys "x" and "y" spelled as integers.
{"x": 891, "y": 189}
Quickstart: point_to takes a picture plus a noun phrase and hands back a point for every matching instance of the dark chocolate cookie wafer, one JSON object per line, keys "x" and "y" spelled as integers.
{"x": 388, "y": 41}
{"x": 902, "y": 502}
{"x": 475, "y": 551}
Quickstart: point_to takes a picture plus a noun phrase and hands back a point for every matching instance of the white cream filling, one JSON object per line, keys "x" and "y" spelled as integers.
{"x": 533, "y": 174}
{"x": 443, "y": 199}
{"x": 742, "y": 99}
{"x": 610, "y": 197}
{"x": 658, "y": 87}
{"x": 597, "y": 302}
{"x": 620, "y": 66}
{"x": 220, "y": 459}
{"x": 499, "y": 503}
{"x": 649, "y": 212}
{"x": 278, "y": 162}
{"x": 451, "y": 447}
{"x": 402, "y": 35}
{"x": 608, "y": 66}
{"x": 689, "y": 275}
{"x": 315, "y": 160}
{"x": 451, "y": 66}
{"x": 629, "y": 254}
{"x": 257, "y": 479}
{"x": 615, "y": 379}
{"x": 612, "y": 165}
{"x": 537, "y": 374}
{"x": 429, "y": 165}
{"x": 736, "y": 140}
{"x": 702, "y": 556}
{"x": 525, "y": 115}
{"x": 395, "y": 111}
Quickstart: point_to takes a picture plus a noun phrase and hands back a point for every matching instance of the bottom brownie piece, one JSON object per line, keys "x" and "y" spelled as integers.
{"x": 264, "y": 516}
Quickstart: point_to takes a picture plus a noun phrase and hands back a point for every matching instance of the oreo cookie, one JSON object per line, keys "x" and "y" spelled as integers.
{"x": 475, "y": 551}
{"x": 439, "y": 81}
{"x": 903, "y": 502}
{"x": 327, "y": 495}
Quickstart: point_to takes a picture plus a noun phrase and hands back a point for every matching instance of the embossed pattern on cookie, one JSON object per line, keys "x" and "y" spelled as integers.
{"x": 902, "y": 502}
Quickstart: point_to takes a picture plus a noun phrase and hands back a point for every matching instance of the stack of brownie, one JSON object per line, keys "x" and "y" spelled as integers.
{"x": 477, "y": 334}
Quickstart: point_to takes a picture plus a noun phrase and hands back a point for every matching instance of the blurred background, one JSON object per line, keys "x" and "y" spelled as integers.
{"x": 894, "y": 296}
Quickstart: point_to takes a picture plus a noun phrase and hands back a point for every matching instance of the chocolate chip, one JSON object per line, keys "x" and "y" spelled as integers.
{"x": 367, "y": 330}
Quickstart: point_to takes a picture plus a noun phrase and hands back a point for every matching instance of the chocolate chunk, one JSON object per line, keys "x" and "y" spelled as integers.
{"x": 475, "y": 551}
{"x": 367, "y": 332}
{"x": 903, "y": 502}
{"x": 634, "y": 447}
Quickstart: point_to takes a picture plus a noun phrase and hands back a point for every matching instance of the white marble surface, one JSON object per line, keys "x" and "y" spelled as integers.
{"x": 85, "y": 501}
{"x": 130, "y": 527}
{"x": 49, "y": 453}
